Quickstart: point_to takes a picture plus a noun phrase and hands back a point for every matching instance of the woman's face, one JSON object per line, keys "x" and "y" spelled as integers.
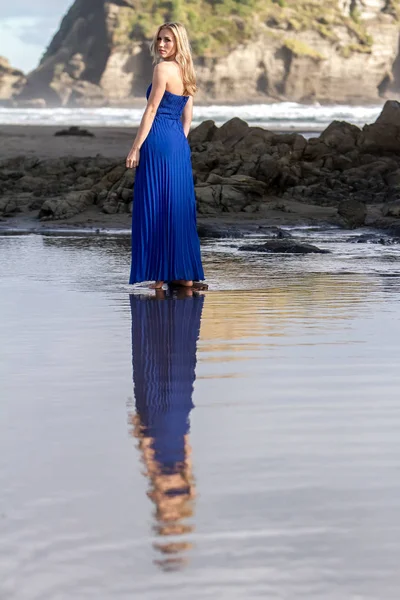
{"x": 166, "y": 45}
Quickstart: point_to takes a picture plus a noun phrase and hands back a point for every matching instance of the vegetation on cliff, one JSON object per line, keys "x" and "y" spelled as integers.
{"x": 218, "y": 26}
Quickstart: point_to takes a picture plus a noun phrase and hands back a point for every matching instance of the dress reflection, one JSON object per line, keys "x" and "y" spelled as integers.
{"x": 165, "y": 329}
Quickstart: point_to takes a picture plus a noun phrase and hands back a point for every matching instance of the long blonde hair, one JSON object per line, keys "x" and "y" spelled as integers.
{"x": 183, "y": 55}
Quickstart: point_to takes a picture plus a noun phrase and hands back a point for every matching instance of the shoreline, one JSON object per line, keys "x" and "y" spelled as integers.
{"x": 292, "y": 215}
{"x": 139, "y": 102}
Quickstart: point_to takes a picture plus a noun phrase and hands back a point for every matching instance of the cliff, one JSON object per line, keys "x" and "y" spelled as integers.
{"x": 299, "y": 50}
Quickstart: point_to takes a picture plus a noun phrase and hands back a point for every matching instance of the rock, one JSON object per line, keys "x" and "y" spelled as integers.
{"x": 11, "y": 80}
{"x": 283, "y": 247}
{"x": 77, "y": 131}
{"x": 390, "y": 114}
{"x": 27, "y": 183}
{"x": 383, "y": 136}
{"x": 208, "y": 199}
{"x": 316, "y": 148}
{"x": 8, "y": 207}
{"x": 281, "y": 234}
{"x": 126, "y": 195}
{"x": 110, "y": 206}
{"x": 393, "y": 178}
{"x": 394, "y": 230}
{"x": 255, "y": 140}
{"x": 391, "y": 209}
{"x": 218, "y": 231}
{"x": 341, "y": 136}
{"x": 205, "y": 132}
{"x": 269, "y": 170}
{"x": 68, "y": 206}
{"x": 229, "y": 194}
{"x": 84, "y": 183}
{"x": 231, "y": 132}
{"x": 371, "y": 238}
{"x": 353, "y": 213}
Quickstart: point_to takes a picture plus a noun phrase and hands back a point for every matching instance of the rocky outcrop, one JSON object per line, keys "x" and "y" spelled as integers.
{"x": 321, "y": 51}
{"x": 283, "y": 247}
{"x": 11, "y": 80}
{"x": 238, "y": 170}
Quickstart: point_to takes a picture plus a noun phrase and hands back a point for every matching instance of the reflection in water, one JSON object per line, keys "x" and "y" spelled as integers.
{"x": 165, "y": 330}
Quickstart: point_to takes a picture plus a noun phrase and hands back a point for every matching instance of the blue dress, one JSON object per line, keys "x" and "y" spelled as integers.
{"x": 165, "y": 244}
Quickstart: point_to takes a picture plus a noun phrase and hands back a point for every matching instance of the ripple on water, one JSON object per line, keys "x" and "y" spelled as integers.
{"x": 284, "y": 478}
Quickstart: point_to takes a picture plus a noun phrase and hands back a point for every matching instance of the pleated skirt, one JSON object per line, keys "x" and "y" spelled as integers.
{"x": 165, "y": 243}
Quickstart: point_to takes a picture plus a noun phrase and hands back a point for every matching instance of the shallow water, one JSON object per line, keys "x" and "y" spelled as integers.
{"x": 286, "y": 485}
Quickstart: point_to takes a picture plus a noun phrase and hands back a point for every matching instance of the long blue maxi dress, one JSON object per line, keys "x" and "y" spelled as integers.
{"x": 165, "y": 244}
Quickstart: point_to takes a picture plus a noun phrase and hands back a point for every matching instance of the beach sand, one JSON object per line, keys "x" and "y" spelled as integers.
{"x": 40, "y": 141}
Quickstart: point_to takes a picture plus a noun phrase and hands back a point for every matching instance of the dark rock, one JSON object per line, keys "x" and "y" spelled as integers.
{"x": 256, "y": 140}
{"x": 371, "y": 238}
{"x": 208, "y": 199}
{"x": 28, "y": 183}
{"x": 8, "y": 207}
{"x": 391, "y": 209}
{"x": 231, "y": 132}
{"x": 393, "y": 178}
{"x": 218, "y": 231}
{"x": 283, "y": 246}
{"x": 390, "y": 114}
{"x": 353, "y": 213}
{"x": 281, "y": 234}
{"x": 341, "y": 136}
{"x": 204, "y": 132}
{"x": 229, "y": 194}
{"x": 316, "y": 149}
{"x": 75, "y": 131}
{"x": 66, "y": 207}
{"x": 394, "y": 230}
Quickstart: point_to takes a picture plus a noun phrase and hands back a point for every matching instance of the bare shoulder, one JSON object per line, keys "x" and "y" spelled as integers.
{"x": 163, "y": 67}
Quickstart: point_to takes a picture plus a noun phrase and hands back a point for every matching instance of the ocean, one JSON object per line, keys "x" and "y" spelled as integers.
{"x": 279, "y": 116}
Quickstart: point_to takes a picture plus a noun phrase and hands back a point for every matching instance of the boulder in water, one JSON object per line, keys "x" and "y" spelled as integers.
{"x": 283, "y": 247}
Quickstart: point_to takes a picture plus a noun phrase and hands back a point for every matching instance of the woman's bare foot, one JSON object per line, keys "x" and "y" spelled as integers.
{"x": 157, "y": 285}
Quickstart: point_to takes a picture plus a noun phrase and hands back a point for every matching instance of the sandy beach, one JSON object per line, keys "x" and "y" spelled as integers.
{"x": 41, "y": 142}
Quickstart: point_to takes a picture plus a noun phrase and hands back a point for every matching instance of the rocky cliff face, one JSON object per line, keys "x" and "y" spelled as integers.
{"x": 338, "y": 50}
{"x": 11, "y": 80}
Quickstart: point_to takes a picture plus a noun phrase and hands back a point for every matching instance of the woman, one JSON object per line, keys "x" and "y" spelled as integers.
{"x": 165, "y": 244}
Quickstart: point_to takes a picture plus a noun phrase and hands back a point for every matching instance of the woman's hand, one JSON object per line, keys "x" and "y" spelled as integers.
{"x": 132, "y": 160}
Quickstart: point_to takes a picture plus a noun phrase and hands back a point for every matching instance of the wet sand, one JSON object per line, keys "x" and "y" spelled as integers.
{"x": 40, "y": 141}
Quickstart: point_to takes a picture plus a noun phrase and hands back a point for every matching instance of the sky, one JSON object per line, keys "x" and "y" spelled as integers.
{"x": 27, "y": 27}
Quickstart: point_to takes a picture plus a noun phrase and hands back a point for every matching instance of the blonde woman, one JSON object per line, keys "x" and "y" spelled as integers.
{"x": 165, "y": 244}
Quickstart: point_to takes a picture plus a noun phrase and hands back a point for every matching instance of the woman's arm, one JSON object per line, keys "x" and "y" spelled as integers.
{"x": 187, "y": 116}
{"x": 158, "y": 88}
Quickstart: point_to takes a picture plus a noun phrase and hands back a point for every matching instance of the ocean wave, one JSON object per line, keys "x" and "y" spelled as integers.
{"x": 284, "y": 115}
